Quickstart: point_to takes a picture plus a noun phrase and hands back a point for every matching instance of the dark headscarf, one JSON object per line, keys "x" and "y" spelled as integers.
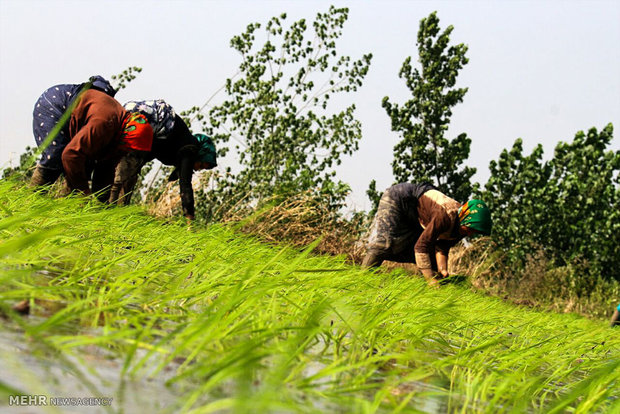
{"x": 207, "y": 152}
{"x": 100, "y": 83}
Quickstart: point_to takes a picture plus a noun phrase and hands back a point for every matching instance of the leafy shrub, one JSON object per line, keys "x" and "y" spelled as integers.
{"x": 539, "y": 282}
{"x": 568, "y": 206}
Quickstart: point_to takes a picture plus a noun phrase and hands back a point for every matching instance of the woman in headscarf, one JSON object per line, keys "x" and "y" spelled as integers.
{"x": 173, "y": 144}
{"x": 48, "y": 114}
{"x": 416, "y": 223}
{"x": 101, "y": 131}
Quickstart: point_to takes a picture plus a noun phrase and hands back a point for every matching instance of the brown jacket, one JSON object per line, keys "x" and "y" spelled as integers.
{"x": 95, "y": 129}
{"x": 438, "y": 216}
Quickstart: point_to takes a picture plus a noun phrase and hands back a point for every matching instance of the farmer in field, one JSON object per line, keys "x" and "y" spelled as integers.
{"x": 99, "y": 132}
{"x": 48, "y": 110}
{"x": 173, "y": 144}
{"x": 415, "y": 223}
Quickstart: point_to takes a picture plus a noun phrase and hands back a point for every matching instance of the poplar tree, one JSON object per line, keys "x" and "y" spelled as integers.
{"x": 424, "y": 153}
{"x": 278, "y": 114}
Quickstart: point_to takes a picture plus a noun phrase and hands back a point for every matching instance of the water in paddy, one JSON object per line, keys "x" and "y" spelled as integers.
{"x": 28, "y": 367}
{"x": 35, "y": 371}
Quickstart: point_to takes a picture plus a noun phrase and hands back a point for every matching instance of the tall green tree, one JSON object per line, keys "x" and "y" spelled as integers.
{"x": 568, "y": 206}
{"x": 286, "y": 135}
{"x": 517, "y": 197}
{"x": 424, "y": 153}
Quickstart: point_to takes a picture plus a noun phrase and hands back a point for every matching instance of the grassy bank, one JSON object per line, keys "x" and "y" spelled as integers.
{"x": 166, "y": 318}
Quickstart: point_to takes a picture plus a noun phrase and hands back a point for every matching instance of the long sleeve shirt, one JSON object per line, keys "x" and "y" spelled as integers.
{"x": 95, "y": 129}
{"x": 438, "y": 216}
{"x": 178, "y": 148}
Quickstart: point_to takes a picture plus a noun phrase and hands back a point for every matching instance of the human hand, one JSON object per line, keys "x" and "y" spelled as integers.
{"x": 430, "y": 278}
{"x": 189, "y": 218}
{"x": 433, "y": 283}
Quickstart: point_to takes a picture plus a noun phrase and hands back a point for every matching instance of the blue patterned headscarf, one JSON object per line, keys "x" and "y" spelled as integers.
{"x": 207, "y": 151}
{"x": 160, "y": 115}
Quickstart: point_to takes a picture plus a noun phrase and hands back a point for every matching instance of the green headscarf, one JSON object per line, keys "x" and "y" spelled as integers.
{"x": 476, "y": 215}
{"x": 207, "y": 149}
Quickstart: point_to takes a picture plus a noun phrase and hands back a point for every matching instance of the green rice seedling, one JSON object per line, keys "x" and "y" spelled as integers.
{"x": 164, "y": 317}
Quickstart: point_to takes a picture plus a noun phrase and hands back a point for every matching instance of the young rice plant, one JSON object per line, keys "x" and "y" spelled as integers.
{"x": 165, "y": 318}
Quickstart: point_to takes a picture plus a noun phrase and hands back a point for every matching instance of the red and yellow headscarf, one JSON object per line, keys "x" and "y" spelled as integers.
{"x": 137, "y": 133}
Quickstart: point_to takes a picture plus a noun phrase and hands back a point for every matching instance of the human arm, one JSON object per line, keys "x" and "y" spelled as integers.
{"x": 103, "y": 177}
{"x": 431, "y": 252}
{"x": 185, "y": 172}
{"x": 442, "y": 255}
{"x": 424, "y": 249}
{"x": 126, "y": 176}
{"x": 423, "y": 258}
{"x": 441, "y": 258}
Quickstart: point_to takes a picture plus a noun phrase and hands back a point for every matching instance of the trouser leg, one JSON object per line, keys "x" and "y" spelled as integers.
{"x": 126, "y": 177}
{"x": 373, "y": 258}
{"x": 122, "y": 189}
{"x": 103, "y": 177}
{"x": 44, "y": 176}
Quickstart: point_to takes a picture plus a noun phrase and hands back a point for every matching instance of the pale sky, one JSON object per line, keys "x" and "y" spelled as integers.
{"x": 539, "y": 70}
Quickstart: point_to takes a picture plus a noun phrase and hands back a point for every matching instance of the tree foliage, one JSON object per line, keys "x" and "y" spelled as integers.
{"x": 424, "y": 153}
{"x": 569, "y": 206}
{"x": 120, "y": 80}
{"x": 23, "y": 170}
{"x": 276, "y": 112}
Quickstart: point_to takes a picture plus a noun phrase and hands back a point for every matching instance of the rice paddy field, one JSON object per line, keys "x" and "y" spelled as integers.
{"x": 151, "y": 315}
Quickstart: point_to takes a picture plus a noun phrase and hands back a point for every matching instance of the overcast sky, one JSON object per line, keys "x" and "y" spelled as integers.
{"x": 539, "y": 70}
